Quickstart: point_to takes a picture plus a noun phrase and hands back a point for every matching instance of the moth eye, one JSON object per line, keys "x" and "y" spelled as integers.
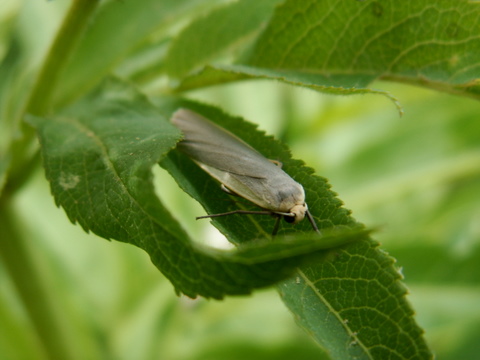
{"x": 289, "y": 219}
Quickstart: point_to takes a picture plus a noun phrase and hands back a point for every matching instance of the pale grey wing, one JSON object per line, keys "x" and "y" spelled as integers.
{"x": 278, "y": 192}
{"x": 211, "y": 145}
{"x": 237, "y": 165}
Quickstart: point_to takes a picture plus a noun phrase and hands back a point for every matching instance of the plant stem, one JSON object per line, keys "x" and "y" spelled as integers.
{"x": 50, "y": 325}
{"x": 68, "y": 36}
{"x": 40, "y": 101}
{"x": 41, "y": 306}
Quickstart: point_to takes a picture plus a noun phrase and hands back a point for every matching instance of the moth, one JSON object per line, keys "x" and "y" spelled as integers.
{"x": 241, "y": 170}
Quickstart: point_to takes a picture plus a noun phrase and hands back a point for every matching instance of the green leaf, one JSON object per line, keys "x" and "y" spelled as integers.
{"x": 432, "y": 43}
{"x": 339, "y": 84}
{"x": 354, "y": 305}
{"x": 351, "y": 298}
{"x": 305, "y": 44}
{"x": 283, "y": 248}
{"x": 224, "y": 29}
{"x": 98, "y": 156}
{"x": 417, "y": 178}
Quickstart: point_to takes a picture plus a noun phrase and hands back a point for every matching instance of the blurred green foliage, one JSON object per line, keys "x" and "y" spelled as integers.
{"x": 416, "y": 177}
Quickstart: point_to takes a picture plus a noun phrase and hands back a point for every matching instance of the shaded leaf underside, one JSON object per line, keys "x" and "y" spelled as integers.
{"x": 340, "y": 47}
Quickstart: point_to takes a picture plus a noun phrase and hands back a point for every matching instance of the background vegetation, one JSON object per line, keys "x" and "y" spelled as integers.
{"x": 65, "y": 293}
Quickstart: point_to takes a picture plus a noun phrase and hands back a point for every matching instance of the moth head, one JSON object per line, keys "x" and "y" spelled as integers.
{"x": 298, "y": 212}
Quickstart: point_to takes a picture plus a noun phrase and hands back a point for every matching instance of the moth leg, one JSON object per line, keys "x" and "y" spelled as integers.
{"x": 312, "y": 221}
{"x": 277, "y": 225}
{"x": 276, "y": 162}
{"x": 264, "y": 212}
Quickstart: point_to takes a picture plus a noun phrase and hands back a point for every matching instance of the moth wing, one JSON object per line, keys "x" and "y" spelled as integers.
{"x": 275, "y": 193}
{"x": 236, "y": 164}
{"x": 216, "y": 147}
